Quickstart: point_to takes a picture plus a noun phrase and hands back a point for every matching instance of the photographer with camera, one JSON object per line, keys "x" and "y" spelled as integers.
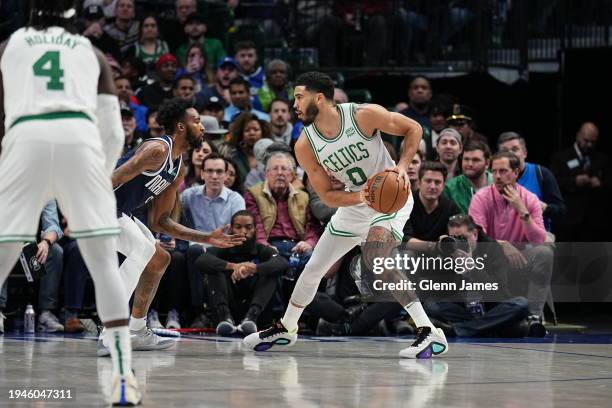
{"x": 507, "y": 317}
{"x": 44, "y": 261}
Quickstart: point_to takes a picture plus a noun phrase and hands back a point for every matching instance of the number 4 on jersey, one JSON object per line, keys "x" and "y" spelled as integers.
{"x": 50, "y": 59}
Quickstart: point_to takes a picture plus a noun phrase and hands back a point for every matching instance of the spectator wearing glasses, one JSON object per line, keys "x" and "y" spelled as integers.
{"x": 282, "y": 215}
{"x": 206, "y": 208}
{"x": 194, "y": 163}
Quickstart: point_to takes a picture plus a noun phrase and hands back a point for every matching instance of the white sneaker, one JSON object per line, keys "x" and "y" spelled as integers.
{"x": 153, "y": 320}
{"x": 276, "y": 335}
{"x": 2, "y": 318}
{"x": 145, "y": 339}
{"x": 173, "y": 321}
{"x": 48, "y": 323}
{"x": 125, "y": 391}
{"x": 141, "y": 340}
{"x": 427, "y": 344}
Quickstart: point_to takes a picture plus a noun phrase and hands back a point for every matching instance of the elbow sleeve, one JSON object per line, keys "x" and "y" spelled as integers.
{"x": 111, "y": 129}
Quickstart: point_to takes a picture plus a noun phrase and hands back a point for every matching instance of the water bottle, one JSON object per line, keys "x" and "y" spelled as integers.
{"x": 475, "y": 308}
{"x": 29, "y": 320}
{"x": 294, "y": 264}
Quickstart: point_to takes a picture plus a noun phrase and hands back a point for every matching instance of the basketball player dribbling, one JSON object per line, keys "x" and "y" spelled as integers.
{"x": 63, "y": 138}
{"x": 345, "y": 140}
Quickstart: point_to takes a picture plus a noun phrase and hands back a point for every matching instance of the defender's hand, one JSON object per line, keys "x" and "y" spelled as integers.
{"x": 219, "y": 239}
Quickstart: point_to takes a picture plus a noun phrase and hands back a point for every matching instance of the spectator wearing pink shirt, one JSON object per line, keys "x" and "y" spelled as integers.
{"x": 512, "y": 215}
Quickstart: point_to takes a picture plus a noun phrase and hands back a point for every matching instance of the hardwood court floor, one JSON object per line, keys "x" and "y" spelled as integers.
{"x": 561, "y": 371}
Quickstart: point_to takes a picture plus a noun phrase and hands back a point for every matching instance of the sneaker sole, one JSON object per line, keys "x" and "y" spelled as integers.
{"x": 123, "y": 402}
{"x": 267, "y": 345}
{"x": 153, "y": 348}
{"x": 433, "y": 349}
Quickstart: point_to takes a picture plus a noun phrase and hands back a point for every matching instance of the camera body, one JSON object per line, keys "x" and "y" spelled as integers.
{"x": 449, "y": 244}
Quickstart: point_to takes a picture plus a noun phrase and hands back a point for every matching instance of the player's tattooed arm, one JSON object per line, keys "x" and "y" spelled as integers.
{"x": 149, "y": 157}
{"x": 160, "y": 220}
{"x": 372, "y": 117}
{"x": 320, "y": 180}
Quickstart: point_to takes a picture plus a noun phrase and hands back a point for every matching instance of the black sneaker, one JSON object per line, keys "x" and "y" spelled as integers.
{"x": 226, "y": 327}
{"x": 536, "y": 328}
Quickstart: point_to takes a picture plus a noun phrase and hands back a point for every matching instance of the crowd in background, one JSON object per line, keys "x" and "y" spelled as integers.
{"x": 245, "y": 174}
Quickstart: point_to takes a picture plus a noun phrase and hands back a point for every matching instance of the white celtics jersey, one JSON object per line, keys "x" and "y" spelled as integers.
{"x": 46, "y": 72}
{"x": 352, "y": 157}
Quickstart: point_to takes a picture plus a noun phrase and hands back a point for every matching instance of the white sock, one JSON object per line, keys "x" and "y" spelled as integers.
{"x": 137, "y": 323}
{"x": 291, "y": 317}
{"x": 118, "y": 342}
{"x": 416, "y": 311}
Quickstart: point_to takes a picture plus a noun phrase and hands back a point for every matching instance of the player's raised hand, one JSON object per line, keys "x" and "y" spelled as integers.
{"x": 218, "y": 238}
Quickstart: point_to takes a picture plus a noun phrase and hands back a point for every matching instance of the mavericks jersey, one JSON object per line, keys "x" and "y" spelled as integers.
{"x": 352, "y": 157}
{"x": 147, "y": 185}
{"x": 48, "y": 71}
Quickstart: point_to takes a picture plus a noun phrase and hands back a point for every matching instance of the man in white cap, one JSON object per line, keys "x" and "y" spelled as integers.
{"x": 213, "y": 132}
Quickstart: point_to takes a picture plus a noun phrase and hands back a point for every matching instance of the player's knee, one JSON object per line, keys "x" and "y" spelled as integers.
{"x": 161, "y": 258}
{"x": 313, "y": 272}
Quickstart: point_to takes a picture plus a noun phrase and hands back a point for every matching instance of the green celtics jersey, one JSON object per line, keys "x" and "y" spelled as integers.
{"x": 352, "y": 157}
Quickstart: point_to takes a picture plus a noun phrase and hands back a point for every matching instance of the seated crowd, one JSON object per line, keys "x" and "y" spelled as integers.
{"x": 244, "y": 175}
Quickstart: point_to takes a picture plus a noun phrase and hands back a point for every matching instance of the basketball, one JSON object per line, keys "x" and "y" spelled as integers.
{"x": 386, "y": 194}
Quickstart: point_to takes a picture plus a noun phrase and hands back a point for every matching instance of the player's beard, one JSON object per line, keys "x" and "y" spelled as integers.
{"x": 195, "y": 141}
{"x": 310, "y": 114}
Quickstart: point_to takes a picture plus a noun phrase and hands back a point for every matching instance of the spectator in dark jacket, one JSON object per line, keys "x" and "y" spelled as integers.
{"x": 242, "y": 279}
{"x": 584, "y": 178}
